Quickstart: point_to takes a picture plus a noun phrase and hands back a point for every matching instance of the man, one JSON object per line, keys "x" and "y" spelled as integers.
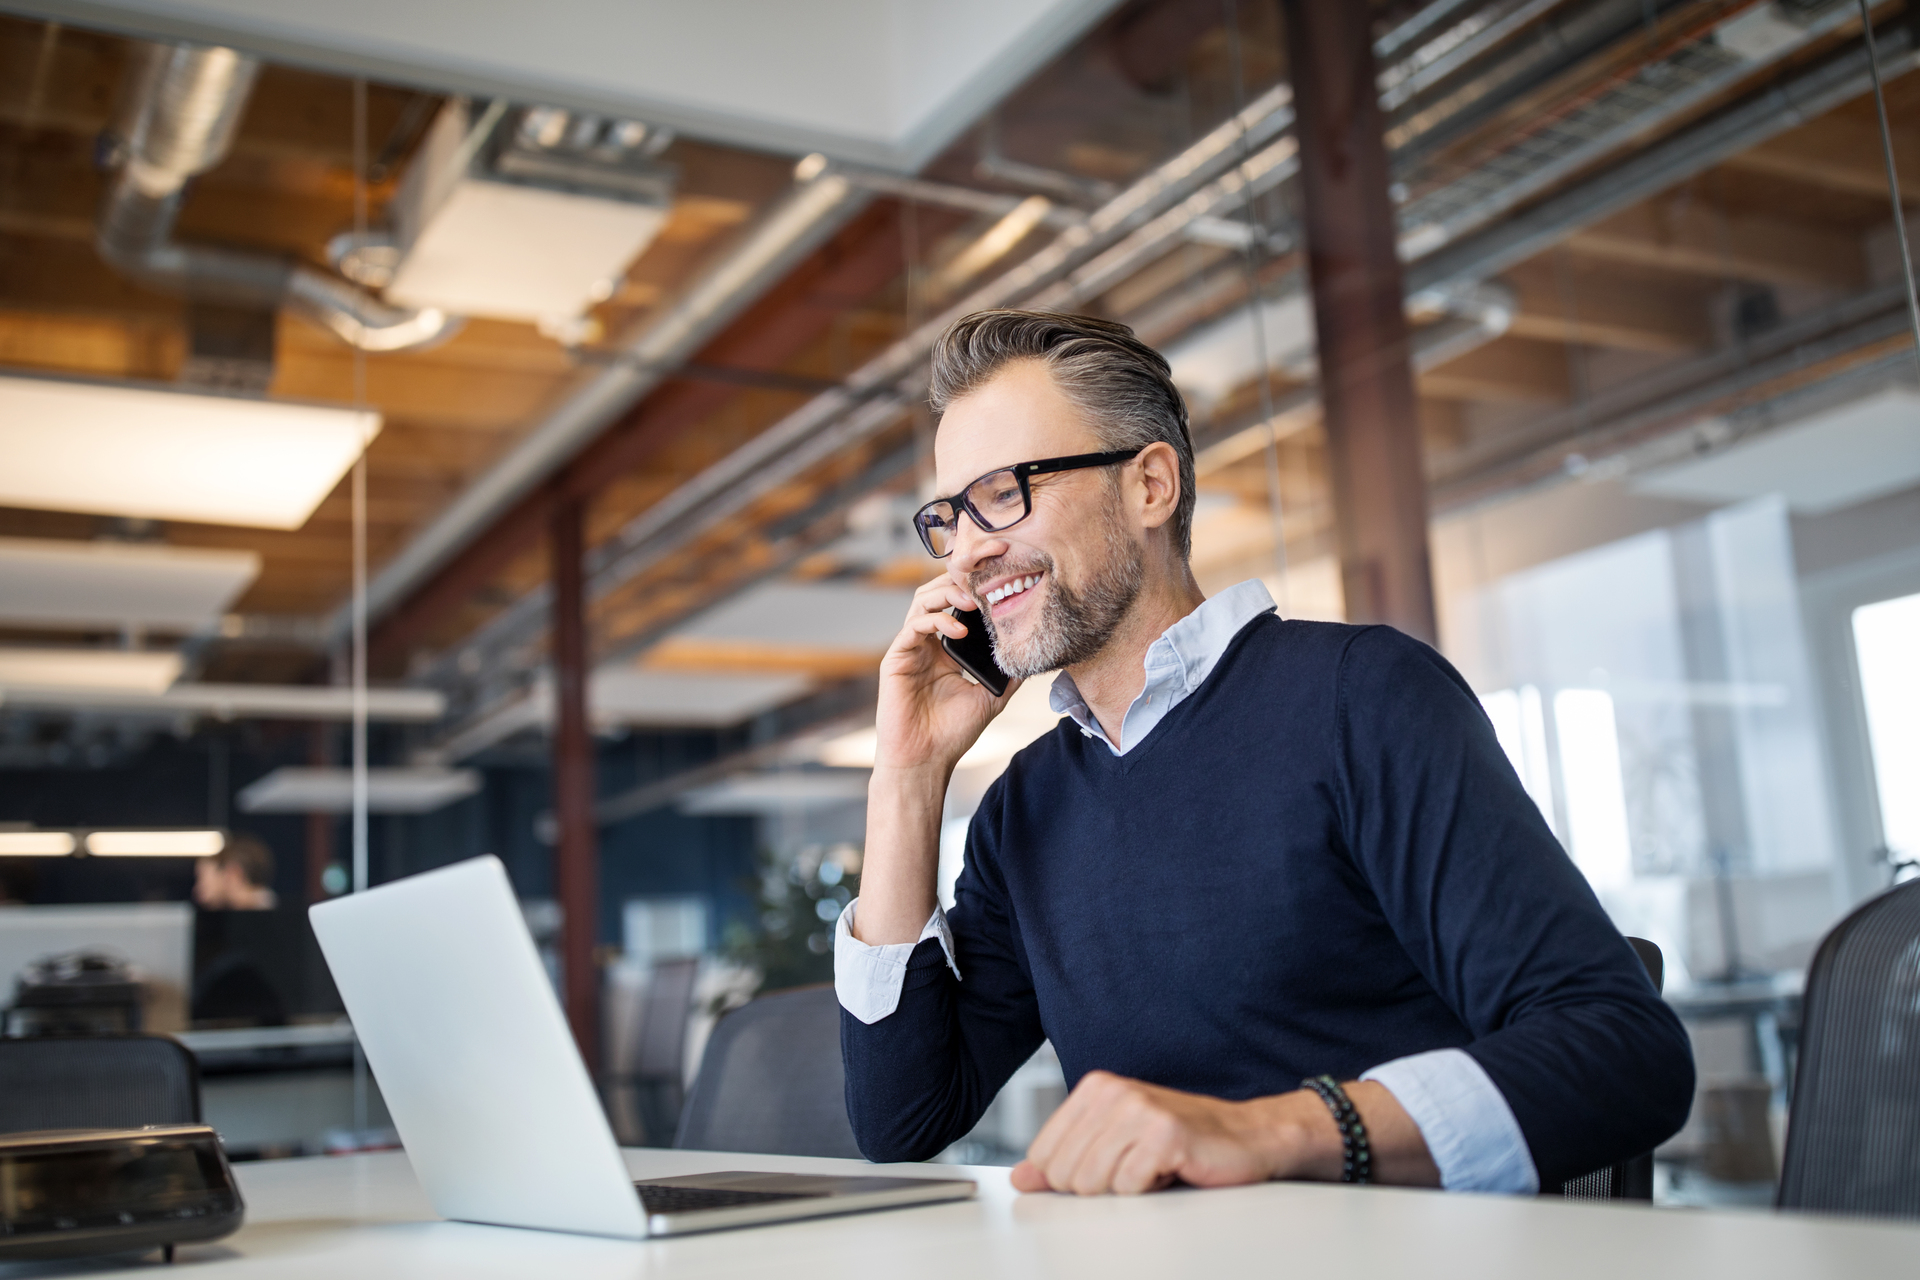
{"x": 238, "y": 878}
{"x": 1257, "y": 854}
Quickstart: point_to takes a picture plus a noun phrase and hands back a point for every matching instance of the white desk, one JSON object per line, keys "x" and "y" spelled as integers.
{"x": 364, "y": 1217}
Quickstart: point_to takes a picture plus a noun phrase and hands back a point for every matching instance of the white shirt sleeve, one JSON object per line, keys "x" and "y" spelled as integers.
{"x": 1468, "y": 1126}
{"x": 868, "y": 979}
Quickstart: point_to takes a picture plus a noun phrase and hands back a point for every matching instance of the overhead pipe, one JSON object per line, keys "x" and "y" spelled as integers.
{"x": 1143, "y": 222}
{"x": 870, "y": 390}
{"x": 183, "y": 109}
{"x": 1430, "y": 224}
{"x": 1785, "y": 105}
{"x": 817, "y": 206}
{"x": 1148, "y": 214}
{"x": 838, "y": 418}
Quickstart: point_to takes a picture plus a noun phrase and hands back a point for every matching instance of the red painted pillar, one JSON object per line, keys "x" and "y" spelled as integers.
{"x": 1366, "y": 375}
{"x": 576, "y": 856}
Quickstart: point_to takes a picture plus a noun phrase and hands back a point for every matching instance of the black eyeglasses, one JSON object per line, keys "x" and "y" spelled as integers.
{"x": 1000, "y": 499}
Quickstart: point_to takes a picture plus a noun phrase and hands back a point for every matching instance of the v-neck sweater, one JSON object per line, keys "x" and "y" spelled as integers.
{"x": 1318, "y": 862}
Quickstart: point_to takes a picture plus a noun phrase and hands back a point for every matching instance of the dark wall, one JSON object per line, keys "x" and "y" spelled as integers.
{"x": 178, "y": 782}
{"x": 167, "y": 782}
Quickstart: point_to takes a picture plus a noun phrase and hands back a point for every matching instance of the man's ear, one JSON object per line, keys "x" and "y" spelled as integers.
{"x": 1160, "y": 477}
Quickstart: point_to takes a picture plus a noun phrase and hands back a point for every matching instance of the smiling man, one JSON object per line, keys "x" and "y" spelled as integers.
{"x": 1270, "y": 887}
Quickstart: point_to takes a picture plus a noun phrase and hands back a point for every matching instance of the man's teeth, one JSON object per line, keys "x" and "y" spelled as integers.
{"x": 1013, "y": 588}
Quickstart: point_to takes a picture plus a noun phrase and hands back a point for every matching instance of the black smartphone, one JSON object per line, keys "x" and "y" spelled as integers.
{"x": 975, "y": 653}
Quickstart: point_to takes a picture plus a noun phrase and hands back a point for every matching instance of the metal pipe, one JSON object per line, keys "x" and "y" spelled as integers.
{"x": 805, "y": 217}
{"x": 736, "y": 480}
{"x": 870, "y": 396}
{"x": 1151, "y": 212}
{"x": 1142, "y": 216}
{"x": 1426, "y": 232}
{"x": 1792, "y": 102}
{"x": 182, "y": 112}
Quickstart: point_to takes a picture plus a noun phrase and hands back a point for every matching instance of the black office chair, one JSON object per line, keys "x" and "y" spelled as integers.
{"x": 1629, "y": 1179}
{"x": 96, "y": 1082}
{"x": 659, "y": 1064}
{"x": 772, "y": 1081}
{"x": 1853, "y": 1131}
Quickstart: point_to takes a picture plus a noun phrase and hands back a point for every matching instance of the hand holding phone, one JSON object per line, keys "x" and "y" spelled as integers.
{"x": 975, "y": 652}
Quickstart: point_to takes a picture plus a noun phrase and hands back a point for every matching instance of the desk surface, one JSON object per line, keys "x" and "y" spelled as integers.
{"x": 365, "y": 1217}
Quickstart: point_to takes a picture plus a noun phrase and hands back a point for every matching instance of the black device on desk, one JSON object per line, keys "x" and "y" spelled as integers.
{"x": 68, "y": 1193}
{"x": 258, "y": 969}
{"x": 74, "y": 993}
{"x": 975, "y": 652}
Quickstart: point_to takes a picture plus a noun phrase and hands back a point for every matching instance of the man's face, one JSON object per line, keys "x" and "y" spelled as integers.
{"x": 216, "y": 886}
{"x": 208, "y": 889}
{"x": 1069, "y": 572}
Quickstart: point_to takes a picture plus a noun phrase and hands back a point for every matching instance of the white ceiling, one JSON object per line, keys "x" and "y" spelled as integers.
{"x": 626, "y": 695}
{"x": 1842, "y": 456}
{"x": 809, "y": 615}
{"x": 887, "y": 82}
{"x": 52, "y": 582}
{"x": 772, "y": 793}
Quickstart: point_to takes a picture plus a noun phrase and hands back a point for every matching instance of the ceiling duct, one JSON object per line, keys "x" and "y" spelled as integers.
{"x": 183, "y": 107}
{"x": 530, "y": 214}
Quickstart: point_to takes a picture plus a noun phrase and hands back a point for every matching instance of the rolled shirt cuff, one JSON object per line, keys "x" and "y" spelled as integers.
{"x": 868, "y": 979}
{"x": 1468, "y": 1126}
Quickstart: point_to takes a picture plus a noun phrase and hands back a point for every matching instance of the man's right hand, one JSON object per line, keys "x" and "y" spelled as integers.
{"x": 930, "y": 711}
{"x": 929, "y": 714}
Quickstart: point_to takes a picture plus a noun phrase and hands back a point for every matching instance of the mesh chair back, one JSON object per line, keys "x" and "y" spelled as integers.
{"x": 772, "y": 1080}
{"x": 1630, "y": 1179}
{"x": 663, "y": 1022}
{"x": 1853, "y": 1132}
{"x": 96, "y": 1082}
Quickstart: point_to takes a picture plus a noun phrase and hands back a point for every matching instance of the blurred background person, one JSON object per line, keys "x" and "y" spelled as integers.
{"x": 238, "y": 878}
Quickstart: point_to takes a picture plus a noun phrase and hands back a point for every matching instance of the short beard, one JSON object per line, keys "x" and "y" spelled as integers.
{"x": 1075, "y": 626}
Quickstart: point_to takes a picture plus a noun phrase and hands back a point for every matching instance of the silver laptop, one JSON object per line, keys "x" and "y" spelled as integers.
{"x": 495, "y": 1108}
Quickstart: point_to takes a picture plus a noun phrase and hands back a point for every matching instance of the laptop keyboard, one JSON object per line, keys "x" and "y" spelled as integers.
{"x": 662, "y": 1199}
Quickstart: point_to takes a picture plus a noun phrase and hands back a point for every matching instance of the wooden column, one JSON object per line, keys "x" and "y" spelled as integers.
{"x": 1366, "y": 376}
{"x": 576, "y": 856}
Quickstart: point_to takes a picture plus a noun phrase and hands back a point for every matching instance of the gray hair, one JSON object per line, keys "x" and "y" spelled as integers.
{"x": 1123, "y": 387}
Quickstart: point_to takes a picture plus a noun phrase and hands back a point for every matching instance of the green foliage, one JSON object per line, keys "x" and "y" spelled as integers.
{"x": 799, "y": 902}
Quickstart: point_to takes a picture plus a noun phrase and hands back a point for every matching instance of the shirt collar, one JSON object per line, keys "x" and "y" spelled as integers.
{"x": 1177, "y": 662}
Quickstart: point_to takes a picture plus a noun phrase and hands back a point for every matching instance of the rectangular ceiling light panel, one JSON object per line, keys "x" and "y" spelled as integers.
{"x": 35, "y": 844}
{"x": 50, "y": 582}
{"x": 390, "y": 790}
{"x": 625, "y": 696}
{"x": 156, "y": 844}
{"x": 161, "y": 454}
{"x": 521, "y": 253}
{"x": 111, "y": 670}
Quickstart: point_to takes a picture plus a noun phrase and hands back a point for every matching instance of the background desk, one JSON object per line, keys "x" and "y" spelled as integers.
{"x": 365, "y": 1217}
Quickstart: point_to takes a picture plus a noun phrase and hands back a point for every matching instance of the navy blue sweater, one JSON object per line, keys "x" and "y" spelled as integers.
{"x": 1318, "y": 862}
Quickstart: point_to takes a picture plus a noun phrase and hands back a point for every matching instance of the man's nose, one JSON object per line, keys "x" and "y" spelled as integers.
{"x": 972, "y": 546}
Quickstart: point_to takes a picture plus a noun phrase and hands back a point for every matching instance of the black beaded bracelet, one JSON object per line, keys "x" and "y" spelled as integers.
{"x": 1356, "y": 1155}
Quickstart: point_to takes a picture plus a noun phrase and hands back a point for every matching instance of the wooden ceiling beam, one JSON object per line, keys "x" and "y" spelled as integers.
{"x": 1507, "y": 370}
{"x": 1606, "y": 309}
{"x": 1693, "y": 238}
{"x": 1838, "y": 152}
{"x": 149, "y": 347}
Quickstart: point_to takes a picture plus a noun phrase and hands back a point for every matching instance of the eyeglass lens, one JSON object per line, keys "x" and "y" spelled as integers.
{"x": 997, "y": 500}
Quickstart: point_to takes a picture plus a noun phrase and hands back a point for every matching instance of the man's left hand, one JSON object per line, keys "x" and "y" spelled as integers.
{"x": 1118, "y": 1135}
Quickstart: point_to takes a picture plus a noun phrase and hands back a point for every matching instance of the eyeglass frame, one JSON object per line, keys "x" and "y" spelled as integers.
{"x": 1023, "y": 473}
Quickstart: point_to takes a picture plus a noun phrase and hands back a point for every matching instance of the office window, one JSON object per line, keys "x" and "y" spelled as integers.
{"x": 1886, "y": 638}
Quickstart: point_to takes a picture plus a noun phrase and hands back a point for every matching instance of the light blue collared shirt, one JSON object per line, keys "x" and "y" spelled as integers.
{"x": 1469, "y": 1129}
